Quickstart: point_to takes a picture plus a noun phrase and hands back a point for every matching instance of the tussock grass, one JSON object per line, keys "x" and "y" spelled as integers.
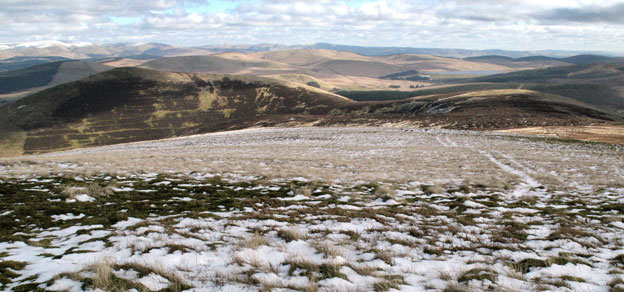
{"x": 228, "y": 217}
{"x": 329, "y": 250}
{"x": 389, "y": 282}
{"x": 177, "y": 283}
{"x": 616, "y": 285}
{"x": 446, "y": 276}
{"x": 7, "y": 271}
{"x": 479, "y": 274}
{"x": 72, "y": 191}
{"x": 431, "y": 189}
{"x": 384, "y": 256}
{"x": 93, "y": 189}
{"x": 292, "y": 233}
{"x": 456, "y": 287}
{"x": 313, "y": 271}
{"x": 254, "y": 242}
{"x": 363, "y": 268}
{"x": 101, "y": 275}
{"x": 524, "y": 266}
{"x": 415, "y": 156}
{"x": 353, "y": 235}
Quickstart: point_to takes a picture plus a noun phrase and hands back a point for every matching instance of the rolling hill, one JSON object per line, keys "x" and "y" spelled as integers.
{"x": 217, "y": 64}
{"x": 84, "y": 51}
{"x": 308, "y": 56}
{"x": 133, "y": 104}
{"x": 534, "y": 62}
{"x": 539, "y": 62}
{"x": 16, "y": 63}
{"x": 81, "y": 50}
{"x": 46, "y": 75}
{"x": 453, "y": 53}
{"x": 597, "y": 84}
{"x": 496, "y": 109}
{"x": 334, "y": 69}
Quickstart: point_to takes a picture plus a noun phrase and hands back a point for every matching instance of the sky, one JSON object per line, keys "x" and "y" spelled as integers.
{"x": 466, "y": 24}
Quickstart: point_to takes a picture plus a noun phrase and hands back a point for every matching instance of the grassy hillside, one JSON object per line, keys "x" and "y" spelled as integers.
{"x": 595, "y": 84}
{"x": 388, "y": 95}
{"x": 575, "y": 73}
{"x": 544, "y": 61}
{"x": 588, "y": 93}
{"x": 131, "y": 104}
{"x": 486, "y": 109}
{"x": 307, "y": 57}
{"x": 591, "y": 59}
{"x": 16, "y": 63}
{"x": 23, "y": 79}
{"x": 47, "y": 75}
{"x": 357, "y": 68}
{"x": 212, "y": 64}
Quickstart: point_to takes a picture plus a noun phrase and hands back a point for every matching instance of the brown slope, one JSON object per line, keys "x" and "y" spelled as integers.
{"x": 45, "y": 75}
{"x": 439, "y": 64}
{"x": 208, "y": 64}
{"x": 481, "y": 110}
{"x": 596, "y": 84}
{"x": 521, "y": 63}
{"x": 308, "y": 57}
{"x": 131, "y": 104}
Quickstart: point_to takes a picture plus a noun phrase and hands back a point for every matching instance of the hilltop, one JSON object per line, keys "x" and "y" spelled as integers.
{"x": 330, "y": 69}
{"x": 85, "y": 50}
{"x": 598, "y": 84}
{"x": 537, "y": 61}
{"x": 132, "y": 104}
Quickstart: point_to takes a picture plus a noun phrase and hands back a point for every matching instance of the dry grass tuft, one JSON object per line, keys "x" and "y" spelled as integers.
{"x": 92, "y": 189}
{"x": 254, "y": 242}
{"x": 384, "y": 256}
{"x": 456, "y": 287}
{"x": 384, "y": 191}
{"x": 330, "y": 251}
{"x": 446, "y": 276}
{"x": 72, "y": 191}
{"x": 617, "y": 285}
{"x": 363, "y": 269}
{"x": 292, "y": 233}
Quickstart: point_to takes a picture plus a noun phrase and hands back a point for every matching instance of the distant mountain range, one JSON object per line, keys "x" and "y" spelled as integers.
{"x": 328, "y": 70}
{"x": 84, "y": 50}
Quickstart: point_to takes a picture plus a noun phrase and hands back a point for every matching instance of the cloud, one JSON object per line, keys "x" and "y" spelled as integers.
{"x": 606, "y": 14}
{"x": 508, "y": 24}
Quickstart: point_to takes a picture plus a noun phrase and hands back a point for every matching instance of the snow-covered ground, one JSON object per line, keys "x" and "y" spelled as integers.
{"x": 317, "y": 209}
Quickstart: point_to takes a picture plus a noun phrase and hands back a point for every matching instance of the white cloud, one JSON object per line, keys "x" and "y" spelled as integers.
{"x": 508, "y": 24}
